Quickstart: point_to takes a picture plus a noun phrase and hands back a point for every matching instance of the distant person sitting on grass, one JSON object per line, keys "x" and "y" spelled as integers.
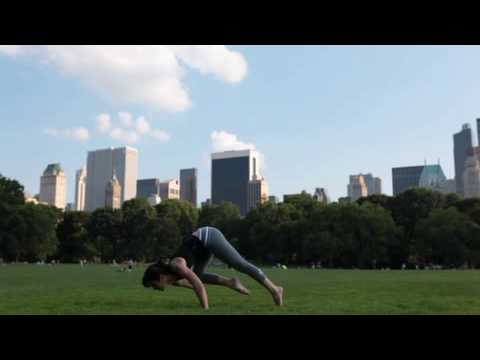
{"x": 187, "y": 267}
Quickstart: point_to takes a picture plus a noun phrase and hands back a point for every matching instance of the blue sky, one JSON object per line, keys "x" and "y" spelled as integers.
{"x": 316, "y": 113}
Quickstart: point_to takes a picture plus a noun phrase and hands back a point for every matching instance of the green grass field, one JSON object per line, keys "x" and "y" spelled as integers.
{"x": 100, "y": 289}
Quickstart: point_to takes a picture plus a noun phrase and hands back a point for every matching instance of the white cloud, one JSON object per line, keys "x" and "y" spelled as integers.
{"x": 125, "y": 119}
{"x": 103, "y": 123}
{"x": 123, "y": 129}
{"x": 128, "y": 136}
{"x": 140, "y": 74}
{"x": 218, "y": 60}
{"x": 160, "y": 135}
{"x": 224, "y": 141}
{"x": 132, "y": 132}
{"x": 142, "y": 126}
{"x": 78, "y": 134}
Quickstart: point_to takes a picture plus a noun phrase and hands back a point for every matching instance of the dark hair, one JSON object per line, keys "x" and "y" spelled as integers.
{"x": 154, "y": 271}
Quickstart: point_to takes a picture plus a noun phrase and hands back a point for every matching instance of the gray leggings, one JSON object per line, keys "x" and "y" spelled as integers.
{"x": 218, "y": 246}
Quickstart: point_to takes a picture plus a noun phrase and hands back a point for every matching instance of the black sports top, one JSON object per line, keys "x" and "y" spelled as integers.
{"x": 193, "y": 246}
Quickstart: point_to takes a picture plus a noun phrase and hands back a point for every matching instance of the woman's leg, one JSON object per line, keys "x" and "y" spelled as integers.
{"x": 222, "y": 249}
{"x": 201, "y": 262}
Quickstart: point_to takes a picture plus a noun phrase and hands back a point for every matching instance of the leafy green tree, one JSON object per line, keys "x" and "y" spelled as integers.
{"x": 382, "y": 200}
{"x": 36, "y": 233}
{"x": 470, "y": 207}
{"x": 73, "y": 240}
{"x": 445, "y": 237}
{"x": 182, "y": 212}
{"x": 268, "y": 232}
{"x": 138, "y": 220}
{"x": 347, "y": 234}
{"x": 375, "y": 233}
{"x": 12, "y": 229}
{"x": 167, "y": 238}
{"x": 410, "y": 207}
{"x": 11, "y": 191}
{"x": 175, "y": 220}
{"x": 224, "y": 216}
{"x": 106, "y": 233}
{"x": 451, "y": 199}
{"x": 303, "y": 202}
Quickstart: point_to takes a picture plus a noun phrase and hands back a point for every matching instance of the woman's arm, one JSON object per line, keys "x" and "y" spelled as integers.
{"x": 183, "y": 283}
{"x": 181, "y": 269}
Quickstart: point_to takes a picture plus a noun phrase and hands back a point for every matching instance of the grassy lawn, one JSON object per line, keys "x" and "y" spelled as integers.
{"x": 100, "y": 289}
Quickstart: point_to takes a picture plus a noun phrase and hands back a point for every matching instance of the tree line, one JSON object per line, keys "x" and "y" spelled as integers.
{"x": 417, "y": 228}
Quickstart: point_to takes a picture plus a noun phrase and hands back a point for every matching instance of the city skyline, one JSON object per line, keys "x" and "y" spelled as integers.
{"x": 311, "y": 105}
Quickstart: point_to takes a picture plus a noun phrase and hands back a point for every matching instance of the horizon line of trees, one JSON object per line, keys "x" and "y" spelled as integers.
{"x": 418, "y": 227}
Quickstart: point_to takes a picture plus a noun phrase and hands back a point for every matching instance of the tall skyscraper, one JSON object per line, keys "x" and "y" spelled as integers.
{"x": 374, "y": 184}
{"x": 148, "y": 187}
{"x": 369, "y": 182}
{"x": 321, "y": 195}
{"x": 231, "y": 172}
{"x": 113, "y": 193}
{"x": 188, "y": 185}
{"x": 170, "y": 189}
{"x": 377, "y": 186}
{"x": 462, "y": 142}
{"x": 404, "y": 178}
{"x": 80, "y": 187}
{"x": 357, "y": 187}
{"x": 257, "y": 192}
{"x": 100, "y": 166}
{"x": 53, "y": 186}
{"x": 471, "y": 174}
{"x": 425, "y": 176}
{"x": 478, "y": 131}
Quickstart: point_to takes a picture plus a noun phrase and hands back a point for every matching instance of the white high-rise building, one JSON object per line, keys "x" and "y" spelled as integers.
{"x": 357, "y": 187}
{"x": 374, "y": 184}
{"x": 80, "y": 187}
{"x": 101, "y": 164}
{"x": 365, "y": 185}
{"x": 257, "y": 192}
{"x": 53, "y": 186}
{"x": 113, "y": 193}
{"x": 170, "y": 189}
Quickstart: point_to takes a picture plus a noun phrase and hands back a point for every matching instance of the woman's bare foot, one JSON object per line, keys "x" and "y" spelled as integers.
{"x": 238, "y": 286}
{"x": 278, "y": 296}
